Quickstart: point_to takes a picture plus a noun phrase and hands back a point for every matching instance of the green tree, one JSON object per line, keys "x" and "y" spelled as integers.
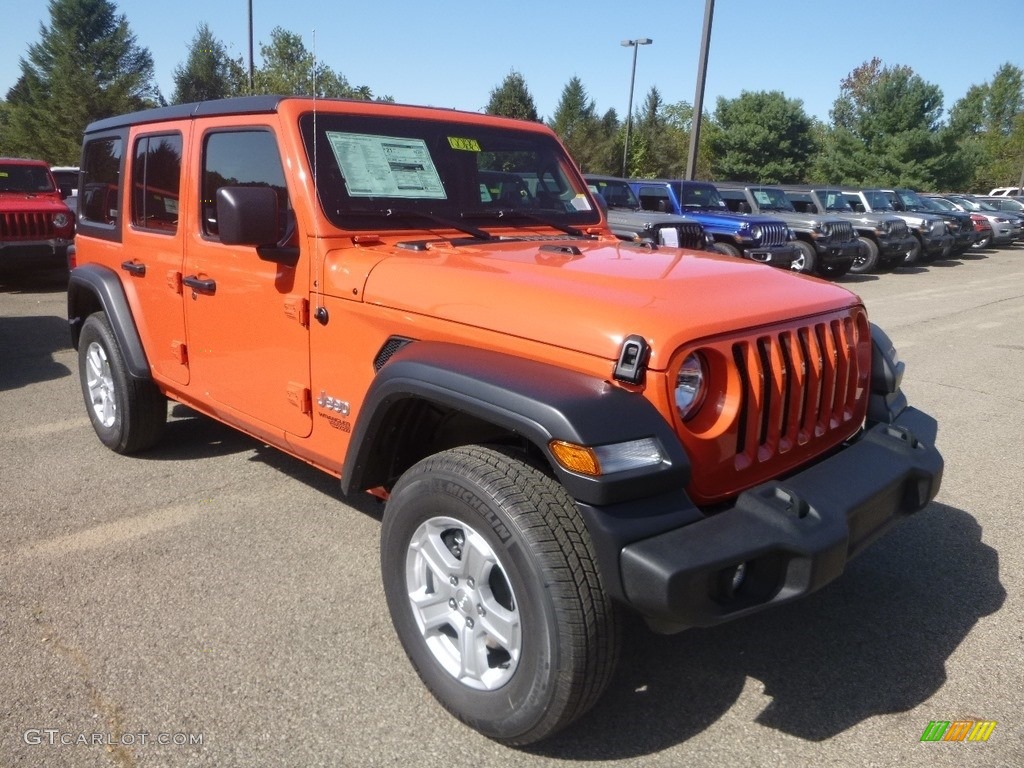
{"x": 577, "y": 125}
{"x": 762, "y": 136}
{"x": 86, "y": 66}
{"x": 891, "y": 118}
{"x": 291, "y": 70}
{"x": 512, "y": 99}
{"x": 987, "y": 124}
{"x": 208, "y": 73}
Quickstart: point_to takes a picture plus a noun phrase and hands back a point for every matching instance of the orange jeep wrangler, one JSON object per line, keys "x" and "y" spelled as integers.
{"x": 560, "y": 422}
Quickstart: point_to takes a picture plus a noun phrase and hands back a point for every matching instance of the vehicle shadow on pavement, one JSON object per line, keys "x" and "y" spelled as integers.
{"x": 27, "y": 346}
{"x": 33, "y": 278}
{"x": 874, "y": 642}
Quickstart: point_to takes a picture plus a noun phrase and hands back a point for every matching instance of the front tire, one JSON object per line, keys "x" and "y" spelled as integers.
{"x": 867, "y": 261}
{"x": 806, "y": 261}
{"x": 128, "y": 414}
{"x": 491, "y": 582}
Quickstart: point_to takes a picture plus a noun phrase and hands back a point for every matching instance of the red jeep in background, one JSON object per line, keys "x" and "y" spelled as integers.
{"x": 34, "y": 219}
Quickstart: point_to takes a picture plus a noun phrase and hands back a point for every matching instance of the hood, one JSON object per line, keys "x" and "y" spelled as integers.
{"x": 588, "y": 296}
{"x": 805, "y": 220}
{"x": 32, "y": 202}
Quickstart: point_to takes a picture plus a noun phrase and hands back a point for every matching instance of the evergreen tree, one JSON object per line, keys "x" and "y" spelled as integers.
{"x": 86, "y": 66}
{"x": 578, "y": 126}
{"x": 208, "y": 73}
{"x": 291, "y": 70}
{"x": 763, "y": 137}
{"x": 512, "y": 99}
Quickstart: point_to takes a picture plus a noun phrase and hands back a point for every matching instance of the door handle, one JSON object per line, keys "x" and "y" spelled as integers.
{"x": 137, "y": 269}
{"x": 200, "y": 286}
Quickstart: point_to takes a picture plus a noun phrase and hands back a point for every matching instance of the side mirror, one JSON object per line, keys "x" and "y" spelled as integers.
{"x": 247, "y": 216}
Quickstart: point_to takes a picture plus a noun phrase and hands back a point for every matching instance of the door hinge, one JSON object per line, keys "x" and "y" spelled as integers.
{"x": 174, "y": 280}
{"x": 180, "y": 351}
{"x": 297, "y": 308}
{"x": 300, "y": 396}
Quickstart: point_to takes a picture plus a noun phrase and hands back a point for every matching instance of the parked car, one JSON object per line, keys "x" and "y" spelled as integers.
{"x": 982, "y": 226}
{"x": 758, "y": 238}
{"x": 1006, "y": 227}
{"x": 931, "y": 238}
{"x": 66, "y": 177}
{"x": 561, "y": 425}
{"x": 1008, "y": 203}
{"x": 34, "y": 220}
{"x": 631, "y": 222}
{"x": 885, "y": 238}
{"x": 958, "y": 223}
{"x": 1004, "y": 191}
{"x": 827, "y": 243}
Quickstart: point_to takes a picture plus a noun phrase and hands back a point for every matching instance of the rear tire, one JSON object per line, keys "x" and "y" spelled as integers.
{"x": 728, "y": 249}
{"x": 128, "y": 414}
{"x": 491, "y": 581}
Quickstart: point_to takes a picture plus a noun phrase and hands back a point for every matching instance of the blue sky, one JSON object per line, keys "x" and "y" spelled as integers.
{"x": 452, "y": 53}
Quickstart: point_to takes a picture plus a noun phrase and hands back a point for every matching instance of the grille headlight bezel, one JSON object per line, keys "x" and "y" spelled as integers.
{"x": 691, "y": 386}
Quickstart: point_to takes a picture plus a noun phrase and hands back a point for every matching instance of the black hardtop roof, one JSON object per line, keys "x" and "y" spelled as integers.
{"x": 242, "y": 105}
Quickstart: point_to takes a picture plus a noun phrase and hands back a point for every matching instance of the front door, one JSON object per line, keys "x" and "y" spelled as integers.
{"x": 247, "y": 318}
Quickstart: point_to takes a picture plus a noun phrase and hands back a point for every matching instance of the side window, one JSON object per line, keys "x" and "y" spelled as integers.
{"x": 101, "y": 174}
{"x": 156, "y": 180}
{"x": 241, "y": 159}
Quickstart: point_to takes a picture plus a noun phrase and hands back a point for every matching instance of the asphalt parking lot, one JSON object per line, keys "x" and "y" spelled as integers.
{"x": 216, "y": 603}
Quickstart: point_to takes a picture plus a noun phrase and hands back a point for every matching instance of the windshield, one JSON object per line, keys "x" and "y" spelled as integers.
{"x": 15, "y": 177}
{"x": 929, "y": 204}
{"x": 878, "y": 200}
{"x": 834, "y": 200}
{"x": 944, "y": 204}
{"x": 700, "y": 197}
{"x": 422, "y": 174}
{"x": 974, "y": 205}
{"x": 616, "y": 193}
{"x": 771, "y": 199}
{"x": 910, "y": 199}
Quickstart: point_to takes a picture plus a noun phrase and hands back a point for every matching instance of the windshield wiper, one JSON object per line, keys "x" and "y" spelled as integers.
{"x": 507, "y": 213}
{"x": 400, "y": 213}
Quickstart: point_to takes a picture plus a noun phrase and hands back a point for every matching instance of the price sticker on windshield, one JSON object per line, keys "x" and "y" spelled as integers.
{"x": 467, "y": 145}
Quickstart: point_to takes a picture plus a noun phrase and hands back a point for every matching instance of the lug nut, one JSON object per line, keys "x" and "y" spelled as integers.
{"x": 453, "y": 581}
{"x": 469, "y": 622}
{"x": 470, "y": 582}
{"x": 451, "y": 603}
{"x": 480, "y": 610}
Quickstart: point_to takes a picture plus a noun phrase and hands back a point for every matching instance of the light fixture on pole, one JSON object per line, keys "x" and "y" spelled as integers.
{"x": 634, "y": 44}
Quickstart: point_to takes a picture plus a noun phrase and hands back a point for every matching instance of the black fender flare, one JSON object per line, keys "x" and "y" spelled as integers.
{"x": 92, "y": 284}
{"x": 538, "y": 401}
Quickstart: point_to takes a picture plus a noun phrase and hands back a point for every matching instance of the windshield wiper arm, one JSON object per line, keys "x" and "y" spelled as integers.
{"x": 507, "y": 213}
{"x": 399, "y": 213}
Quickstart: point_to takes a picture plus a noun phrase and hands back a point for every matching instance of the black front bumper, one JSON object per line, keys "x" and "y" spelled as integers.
{"x": 837, "y": 255}
{"x": 788, "y": 537}
{"x": 781, "y": 256}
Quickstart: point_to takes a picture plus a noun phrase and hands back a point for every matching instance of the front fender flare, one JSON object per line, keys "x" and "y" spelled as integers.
{"x": 538, "y": 401}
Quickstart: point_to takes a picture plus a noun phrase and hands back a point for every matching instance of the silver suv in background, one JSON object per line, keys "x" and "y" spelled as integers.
{"x": 884, "y": 238}
{"x": 931, "y": 239}
{"x": 1006, "y": 226}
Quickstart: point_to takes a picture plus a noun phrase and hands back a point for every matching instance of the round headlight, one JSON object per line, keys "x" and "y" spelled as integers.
{"x": 690, "y": 386}
{"x": 60, "y": 220}
{"x": 757, "y": 233}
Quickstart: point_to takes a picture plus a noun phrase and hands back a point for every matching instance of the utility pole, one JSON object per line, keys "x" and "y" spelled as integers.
{"x": 251, "y": 71}
{"x": 698, "y": 99}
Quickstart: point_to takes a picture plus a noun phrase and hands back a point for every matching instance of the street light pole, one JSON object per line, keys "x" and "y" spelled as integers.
{"x": 251, "y": 78}
{"x": 634, "y": 44}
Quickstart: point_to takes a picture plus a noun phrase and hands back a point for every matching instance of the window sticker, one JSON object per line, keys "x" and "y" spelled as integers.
{"x": 762, "y": 197}
{"x": 580, "y": 202}
{"x": 386, "y": 166}
{"x": 469, "y": 145}
{"x": 485, "y": 194}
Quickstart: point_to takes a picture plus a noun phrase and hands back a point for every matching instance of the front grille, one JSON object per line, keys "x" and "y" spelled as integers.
{"x": 774, "y": 234}
{"x": 798, "y": 391}
{"x": 898, "y": 227}
{"x": 691, "y": 235}
{"x": 26, "y": 226}
{"x": 842, "y": 231}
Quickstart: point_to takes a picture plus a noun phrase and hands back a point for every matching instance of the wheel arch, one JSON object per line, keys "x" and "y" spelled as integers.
{"x": 94, "y": 288}
{"x": 483, "y": 396}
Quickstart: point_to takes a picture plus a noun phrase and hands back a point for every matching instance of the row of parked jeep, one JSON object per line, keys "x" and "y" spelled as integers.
{"x": 814, "y": 229}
